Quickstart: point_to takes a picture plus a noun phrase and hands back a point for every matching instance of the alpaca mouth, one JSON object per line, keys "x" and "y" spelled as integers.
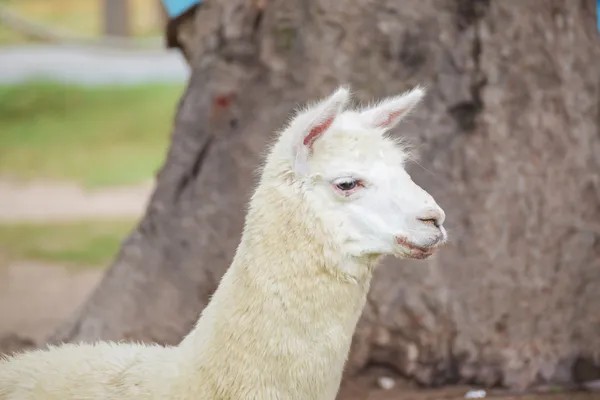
{"x": 416, "y": 251}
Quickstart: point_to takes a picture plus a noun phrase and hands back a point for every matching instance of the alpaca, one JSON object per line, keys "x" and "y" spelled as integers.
{"x": 332, "y": 200}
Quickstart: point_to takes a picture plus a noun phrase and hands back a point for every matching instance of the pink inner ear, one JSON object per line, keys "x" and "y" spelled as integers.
{"x": 390, "y": 118}
{"x": 316, "y": 132}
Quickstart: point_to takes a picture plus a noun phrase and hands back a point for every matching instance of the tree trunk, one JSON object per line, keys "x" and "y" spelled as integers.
{"x": 116, "y": 17}
{"x": 509, "y": 145}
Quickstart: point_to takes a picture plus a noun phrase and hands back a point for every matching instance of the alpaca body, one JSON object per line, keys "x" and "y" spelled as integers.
{"x": 333, "y": 199}
{"x": 116, "y": 371}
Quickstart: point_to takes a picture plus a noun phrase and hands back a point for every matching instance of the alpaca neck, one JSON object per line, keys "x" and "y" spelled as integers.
{"x": 281, "y": 322}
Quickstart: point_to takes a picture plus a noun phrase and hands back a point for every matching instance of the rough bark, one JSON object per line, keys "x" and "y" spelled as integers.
{"x": 510, "y": 147}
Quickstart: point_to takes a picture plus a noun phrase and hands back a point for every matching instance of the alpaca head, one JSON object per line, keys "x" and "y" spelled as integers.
{"x": 352, "y": 176}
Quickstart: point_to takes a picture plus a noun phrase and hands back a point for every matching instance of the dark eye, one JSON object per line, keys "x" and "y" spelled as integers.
{"x": 347, "y": 185}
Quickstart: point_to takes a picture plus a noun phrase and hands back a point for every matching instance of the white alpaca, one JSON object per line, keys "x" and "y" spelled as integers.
{"x": 333, "y": 198}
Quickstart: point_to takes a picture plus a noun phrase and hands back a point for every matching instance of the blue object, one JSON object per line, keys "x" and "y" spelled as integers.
{"x": 598, "y": 14}
{"x": 177, "y": 7}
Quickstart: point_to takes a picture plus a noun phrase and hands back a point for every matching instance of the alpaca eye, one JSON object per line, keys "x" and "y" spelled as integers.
{"x": 347, "y": 185}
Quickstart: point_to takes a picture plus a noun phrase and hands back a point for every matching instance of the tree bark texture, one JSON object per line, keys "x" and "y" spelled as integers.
{"x": 509, "y": 145}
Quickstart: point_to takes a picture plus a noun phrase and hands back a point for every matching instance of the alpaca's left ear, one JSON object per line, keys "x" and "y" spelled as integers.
{"x": 312, "y": 123}
{"x": 391, "y": 110}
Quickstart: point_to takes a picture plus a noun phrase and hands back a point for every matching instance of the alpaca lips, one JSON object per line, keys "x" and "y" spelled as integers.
{"x": 417, "y": 252}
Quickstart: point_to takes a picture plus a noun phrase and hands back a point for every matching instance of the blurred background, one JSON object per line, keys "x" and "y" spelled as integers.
{"x": 90, "y": 92}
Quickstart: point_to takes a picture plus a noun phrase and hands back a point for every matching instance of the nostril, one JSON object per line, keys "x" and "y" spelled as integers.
{"x": 433, "y": 217}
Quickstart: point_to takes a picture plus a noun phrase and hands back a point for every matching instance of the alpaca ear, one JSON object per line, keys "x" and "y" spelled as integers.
{"x": 312, "y": 123}
{"x": 390, "y": 111}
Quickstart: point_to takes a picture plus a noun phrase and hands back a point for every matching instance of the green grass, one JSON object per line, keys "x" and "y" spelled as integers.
{"x": 74, "y": 244}
{"x": 97, "y": 136}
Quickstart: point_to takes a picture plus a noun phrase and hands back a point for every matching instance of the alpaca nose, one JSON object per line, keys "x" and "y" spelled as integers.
{"x": 434, "y": 216}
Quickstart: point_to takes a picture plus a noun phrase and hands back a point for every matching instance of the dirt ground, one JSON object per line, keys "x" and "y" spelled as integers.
{"x": 35, "y": 297}
{"x": 20, "y": 202}
{"x": 366, "y": 388}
